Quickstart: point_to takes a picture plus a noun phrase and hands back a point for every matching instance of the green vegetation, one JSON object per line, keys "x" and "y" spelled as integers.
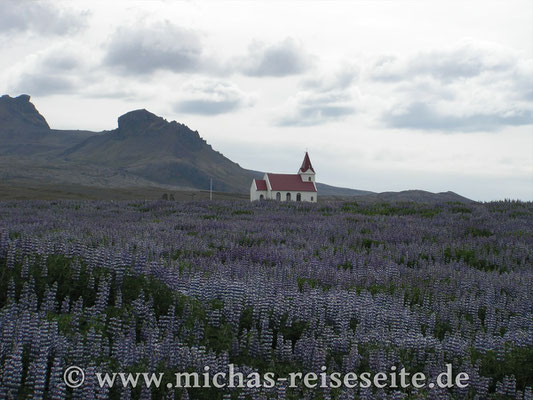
{"x": 398, "y": 209}
{"x": 517, "y": 361}
{"x": 468, "y": 256}
{"x": 479, "y": 232}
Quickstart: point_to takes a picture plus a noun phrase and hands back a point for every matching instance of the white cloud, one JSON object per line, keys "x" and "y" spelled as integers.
{"x": 144, "y": 49}
{"x": 39, "y": 17}
{"x": 429, "y": 118}
{"x": 64, "y": 68}
{"x": 59, "y": 69}
{"x": 280, "y": 59}
{"x": 466, "y": 59}
{"x": 473, "y": 86}
{"x": 322, "y": 99}
{"x": 211, "y": 97}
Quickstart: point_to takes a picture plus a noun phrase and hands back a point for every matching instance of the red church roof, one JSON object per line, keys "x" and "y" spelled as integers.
{"x": 260, "y": 184}
{"x": 290, "y": 182}
{"x": 306, "y": 164}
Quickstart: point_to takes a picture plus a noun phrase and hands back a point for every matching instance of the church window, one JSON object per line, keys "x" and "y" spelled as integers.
{"x": 278, "y": 196}
{"x": 299, "y": 197}
{"x": 288, "y": 197}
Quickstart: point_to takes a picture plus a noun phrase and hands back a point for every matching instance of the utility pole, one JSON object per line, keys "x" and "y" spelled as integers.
{"x": 211, "y": 189}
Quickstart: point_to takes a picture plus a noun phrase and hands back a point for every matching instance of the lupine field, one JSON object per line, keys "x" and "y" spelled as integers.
{"x": 175, "y": 286}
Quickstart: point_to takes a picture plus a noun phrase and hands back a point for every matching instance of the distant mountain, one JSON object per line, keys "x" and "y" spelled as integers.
{"x": 25, "y": 132}
{"x": 144, "y": 151}
{"x": 163, "y": 152}
{"x": 19, "y": 114}
{"x": 327, "y": 190}
{"x": 414, "y": 195}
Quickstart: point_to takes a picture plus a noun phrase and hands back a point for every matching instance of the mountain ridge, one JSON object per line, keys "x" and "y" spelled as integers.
{"x": 143, "y": 150}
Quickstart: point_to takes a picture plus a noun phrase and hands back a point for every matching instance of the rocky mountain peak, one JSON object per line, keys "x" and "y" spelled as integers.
{"x": 19, "y": 113}
{"x": 137, "y": 121}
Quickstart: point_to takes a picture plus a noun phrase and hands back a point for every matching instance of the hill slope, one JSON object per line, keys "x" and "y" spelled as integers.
{"x": 163, "y": 152}
{"x": 420, "y": 196}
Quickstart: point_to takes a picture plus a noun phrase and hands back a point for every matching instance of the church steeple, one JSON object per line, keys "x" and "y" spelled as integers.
{"x": 306, "y": 164}
{"x": 306, "y": 171}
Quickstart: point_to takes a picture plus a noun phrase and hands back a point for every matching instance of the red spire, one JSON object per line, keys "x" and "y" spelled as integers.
{"x": 306, "y": 164}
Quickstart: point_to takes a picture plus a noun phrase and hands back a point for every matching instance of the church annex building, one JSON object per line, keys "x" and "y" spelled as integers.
{"x": 287, "y": 187}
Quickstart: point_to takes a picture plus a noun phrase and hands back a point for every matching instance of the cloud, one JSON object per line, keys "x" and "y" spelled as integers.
{"x": 146, "y": 49}
{"x": 421, "y": 116}
{"x": 61, "y": 60}
{"x": 522, "y": 81}
{"x": 65, "y": 69}
{"x": 323, "y": 99}
{"x": 277, "y": 60}
{"x": 464, "y": 60}
{"x": 59, "y": 69}
{"x": 341, "y": 80}
{"x": 41, "y": 84}
{"x": 317, "y": 114}
{"x": 39, "y": 17}
{"x": 209, "y": 97}
{"x": 471, "y": 87}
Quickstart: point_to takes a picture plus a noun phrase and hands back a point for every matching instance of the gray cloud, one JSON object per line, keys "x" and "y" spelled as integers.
{"x": 64, "y": 69}
{"x": 486, "y": 86}
{"x": 522, "y": 80}
{"x": 209, "y": 97}
{"x": 207, "y": 107}
{"x": 61, "y": 61}
{"x": 310, "y": 109}
{"x": 56, "y": 70}
{"x": 42, "y": 84}
{"x": 146, "y": 49}
{"x": 467, "y": 59}
{"x": 39, "y": 17}
{"x": 341, "y": 80}
{"x": 310, "y": 115}
{"x": 420, "y": 116}
{"x": 323, "y": 99}
{"x": 277, "y": 60}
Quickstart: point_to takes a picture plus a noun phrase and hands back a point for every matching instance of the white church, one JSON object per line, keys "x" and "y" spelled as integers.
{"x": 287, "y": 187}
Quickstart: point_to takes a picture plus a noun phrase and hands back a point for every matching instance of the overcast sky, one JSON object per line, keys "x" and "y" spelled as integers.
{"x": 385, "y": 95}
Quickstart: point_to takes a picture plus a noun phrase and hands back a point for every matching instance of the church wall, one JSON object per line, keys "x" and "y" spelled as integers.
{"x": 256, "y": 194}
{"x": 306, "y": 196}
